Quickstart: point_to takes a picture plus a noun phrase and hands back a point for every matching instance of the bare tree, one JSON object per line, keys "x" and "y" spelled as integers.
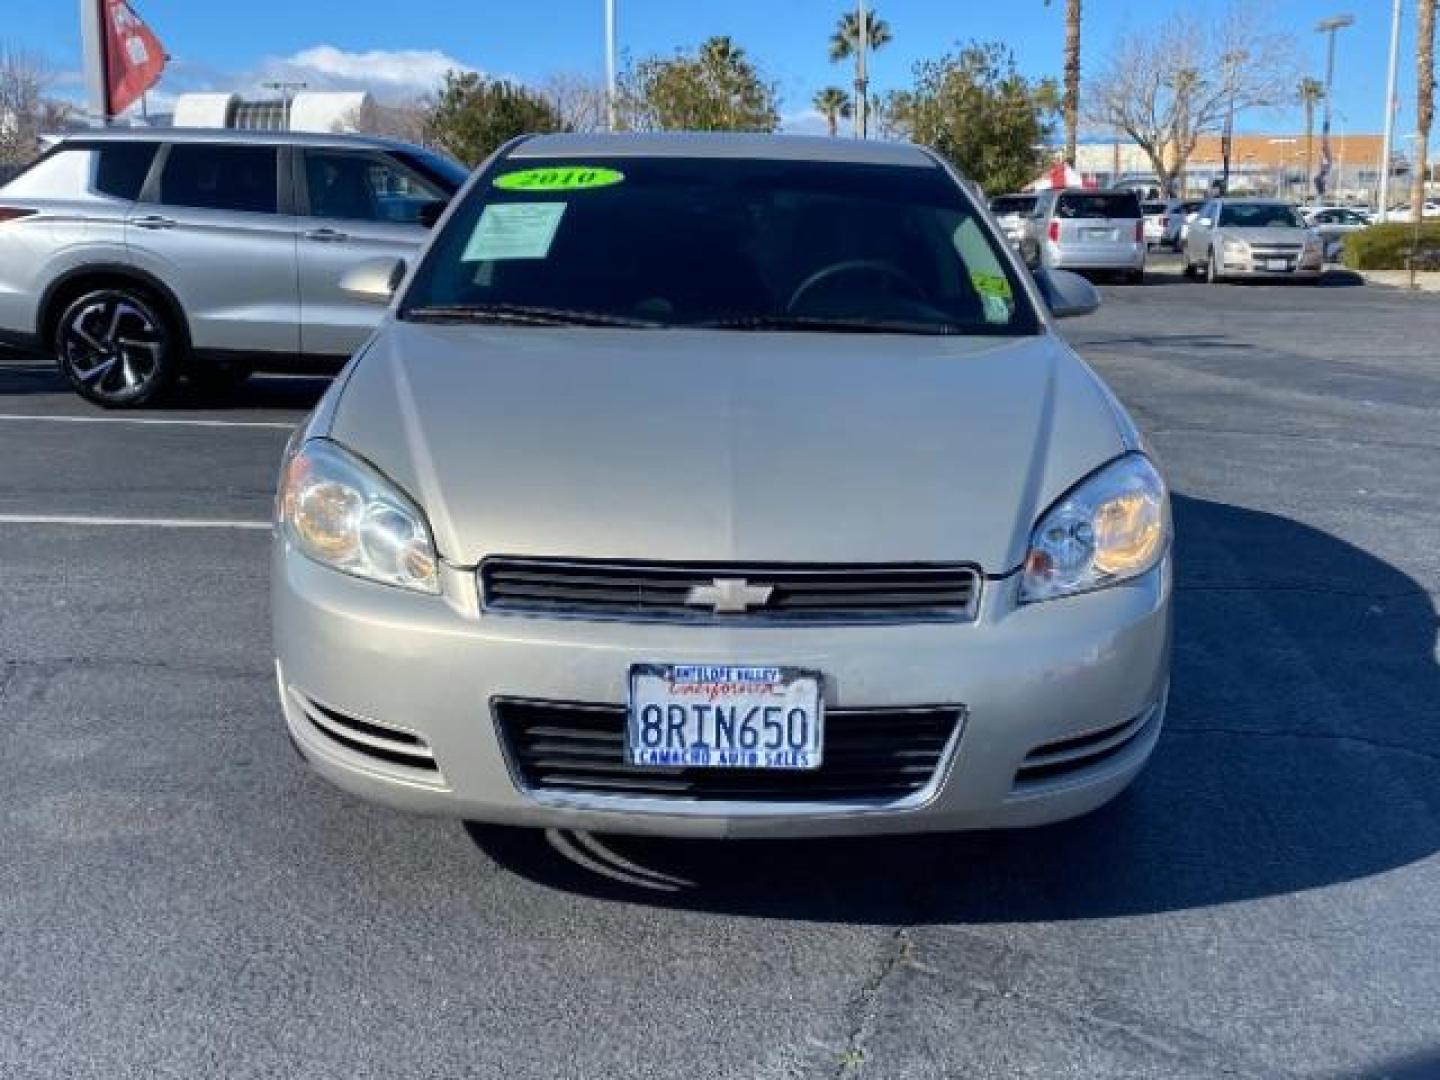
{"x": 579, "y": 99}
{"x": 405, "y": 121}
{"x": 23, "y": 115}
{"x": 1168, "y": 85}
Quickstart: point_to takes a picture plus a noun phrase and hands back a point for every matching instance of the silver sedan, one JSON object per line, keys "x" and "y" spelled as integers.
{"x": 722, "y": 486}
{"x": 1252, "y": 238}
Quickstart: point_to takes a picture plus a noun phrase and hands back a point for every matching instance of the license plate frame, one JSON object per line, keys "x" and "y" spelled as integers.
{"x": 750, "y": 725}
{"x": 1277, "y": 265}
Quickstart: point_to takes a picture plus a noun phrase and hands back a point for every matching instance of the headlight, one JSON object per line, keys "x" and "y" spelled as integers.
{"x": 1113, "y": 526}
{"x": 1237, "y": 248}
{"x": 341, "y": 512}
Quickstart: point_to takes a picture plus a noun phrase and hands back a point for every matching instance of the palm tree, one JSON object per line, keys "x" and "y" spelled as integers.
{"x": 1425, "y": 103}
{"x": 833, "y": 103}
{"x": 1072, "y": 77}
{"x": 1311, "y": 92}
{"x": 846, "y": 38}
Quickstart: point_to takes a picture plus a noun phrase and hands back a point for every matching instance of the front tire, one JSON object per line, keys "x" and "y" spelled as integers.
{"x": 116, "y": 348}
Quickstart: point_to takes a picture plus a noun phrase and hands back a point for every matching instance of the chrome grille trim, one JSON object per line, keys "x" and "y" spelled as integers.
{"x": 1058, "y": 760}
{"x": 811, "y": 593}
{"x": 385, "y": 744}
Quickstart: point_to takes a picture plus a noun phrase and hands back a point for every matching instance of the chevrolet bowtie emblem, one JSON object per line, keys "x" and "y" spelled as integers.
{"x": 730, "y": 596}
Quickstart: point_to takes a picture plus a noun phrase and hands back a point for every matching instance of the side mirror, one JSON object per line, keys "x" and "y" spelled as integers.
{"x": 373, "y": 281}
{"x": 430, "y": 212}
{"x": 1067, "y": 294}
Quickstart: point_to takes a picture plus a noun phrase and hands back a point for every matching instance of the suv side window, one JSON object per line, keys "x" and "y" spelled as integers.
{"x": 366, "y": 187}
{"x": 219, "y": 177}
{"x": 122, "y": 168}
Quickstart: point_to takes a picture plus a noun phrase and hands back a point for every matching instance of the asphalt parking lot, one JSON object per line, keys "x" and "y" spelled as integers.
{"x": 179, "y": 897}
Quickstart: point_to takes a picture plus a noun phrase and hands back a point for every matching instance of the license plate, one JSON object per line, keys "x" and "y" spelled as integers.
{"x": 708, "y": 716}
{"x": 1099, "y": 234}
{"x": 1276, "y": 264}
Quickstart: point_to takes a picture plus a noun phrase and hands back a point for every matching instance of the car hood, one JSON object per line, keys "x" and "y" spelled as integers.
{"x": 1267, "y": 235}
{"x": 715, "y": 445}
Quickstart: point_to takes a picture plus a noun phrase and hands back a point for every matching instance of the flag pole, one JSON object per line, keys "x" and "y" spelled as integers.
{"x": 611, "y": 103}
{"x": 92, "y": 41}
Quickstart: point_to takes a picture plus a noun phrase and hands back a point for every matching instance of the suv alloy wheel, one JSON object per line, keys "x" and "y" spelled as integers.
{"x": 115, "y": 348}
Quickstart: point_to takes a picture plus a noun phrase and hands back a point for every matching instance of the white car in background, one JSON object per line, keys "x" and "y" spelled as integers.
{"x": 1157, "y": 219}
{"x": 1431, "y": 208}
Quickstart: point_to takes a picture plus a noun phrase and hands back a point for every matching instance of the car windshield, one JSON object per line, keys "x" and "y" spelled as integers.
{"x": 1097, "y": 205}
{"x": 724, "y": 243}
{"x": 1012, "y": 204}
{"x": 1260, "y": 216}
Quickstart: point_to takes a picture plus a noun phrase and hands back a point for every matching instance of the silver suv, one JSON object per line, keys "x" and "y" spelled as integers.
{"x": 1087, "y": 229}
{"x": 136, "y": 257}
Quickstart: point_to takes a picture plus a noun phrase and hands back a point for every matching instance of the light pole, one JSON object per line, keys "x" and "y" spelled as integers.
{"x": 611, "y": 99}
{"x": 862, "y": 83}
{"x": 1286, "y": 145}
{"x": 1328, "y": 27}
{"x": 287, "y": 94}
{"x": 1390, "y": 102}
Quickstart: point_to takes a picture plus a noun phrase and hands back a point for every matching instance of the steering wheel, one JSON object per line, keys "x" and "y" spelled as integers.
{"x": 854, "y": 266}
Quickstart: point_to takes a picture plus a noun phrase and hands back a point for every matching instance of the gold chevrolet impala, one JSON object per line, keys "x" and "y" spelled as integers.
{"x": 722, "y": 486}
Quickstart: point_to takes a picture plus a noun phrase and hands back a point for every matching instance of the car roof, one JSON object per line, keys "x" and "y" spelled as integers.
{"x": 724, "y": 145}
{"x": 332, "y": 140}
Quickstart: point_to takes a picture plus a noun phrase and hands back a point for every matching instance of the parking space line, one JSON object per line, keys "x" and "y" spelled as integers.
{"x": 89, "y": 521}
{"x": 146, "y": 420}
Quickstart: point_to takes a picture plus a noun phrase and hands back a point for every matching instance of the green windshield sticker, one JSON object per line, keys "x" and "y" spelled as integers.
{"x": 991, "y": 284}
{"x": 559, "y": 178}
{"x": 514, "y": 231}
{"x": 996, "y": 299}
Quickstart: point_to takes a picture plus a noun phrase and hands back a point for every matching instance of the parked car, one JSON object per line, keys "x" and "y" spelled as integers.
{"x": 1429, "y": 208}
{"x": 1013, "y": 214}
{"x": 1333, "y": 224}
{"x": 1087, "y": 229}
{"x": 1157, "y": 217}
{"x": 1252, "y": 238}
{"x": 137, "y": 256}
{"x": 725, "y": 486}
{"x": 1179, "y": 213}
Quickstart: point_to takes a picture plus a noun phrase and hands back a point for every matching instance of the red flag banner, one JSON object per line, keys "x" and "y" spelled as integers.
{"x": 134, "y": 57}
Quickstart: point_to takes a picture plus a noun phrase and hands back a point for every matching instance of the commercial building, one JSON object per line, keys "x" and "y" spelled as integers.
{"x": 308, "y": 110}
{"x": 1269, "y": 164}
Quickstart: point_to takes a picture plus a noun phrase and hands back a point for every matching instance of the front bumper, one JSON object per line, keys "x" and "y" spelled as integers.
{"x": 430, "y": 666}
{"x": 1256, "y": 266}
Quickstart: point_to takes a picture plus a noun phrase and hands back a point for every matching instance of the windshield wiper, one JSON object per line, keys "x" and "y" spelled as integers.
{"x": 823, "y": 324}
{"x": 524, "y": 315}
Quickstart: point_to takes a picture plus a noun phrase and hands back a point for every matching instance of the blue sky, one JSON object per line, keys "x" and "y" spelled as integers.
{"x": 391, "y": 45}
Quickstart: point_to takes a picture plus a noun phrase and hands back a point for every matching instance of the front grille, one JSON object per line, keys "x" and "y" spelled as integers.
{"x": 801, "y": 592}
{"x": 1275, "y": 251}
{"x": 380, "y": 742}
{"x": 1063, "y": 757}
{"x": 870, "y": 756}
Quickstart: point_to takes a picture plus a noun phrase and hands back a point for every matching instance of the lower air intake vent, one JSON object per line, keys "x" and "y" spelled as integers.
{"x": 391, "y": 745}
{"x": 1057, "y": 760}
{"x": 871, "y": 756}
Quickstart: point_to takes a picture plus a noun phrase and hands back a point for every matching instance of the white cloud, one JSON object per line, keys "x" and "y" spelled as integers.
{"x": 806, "y": 122}
{"x": 388, "y": 74}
